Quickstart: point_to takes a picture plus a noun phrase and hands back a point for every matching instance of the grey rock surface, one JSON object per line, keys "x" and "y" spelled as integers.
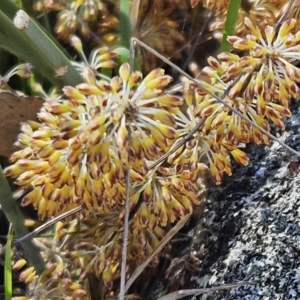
{"x": 250, "y": 225}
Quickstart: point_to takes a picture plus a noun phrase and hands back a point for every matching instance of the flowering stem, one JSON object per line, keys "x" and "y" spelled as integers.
{"x": 7, "y": 272}
{"x": 124, "y": 23}
{"x": 232, "y": 13}
{"x": 162, "y": 244}
{"x": 44, "y": 226}
{"x": 283, "y": 16}
{"x": 125, "y": 233}
{"x": 194, "y": 292}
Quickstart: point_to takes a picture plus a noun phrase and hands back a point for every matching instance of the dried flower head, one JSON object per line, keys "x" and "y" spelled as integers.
{"x": 160, "y": 21}
{"x": 262, "y": 12}
{"x": 258, "y": 85}
{"x": 210, "y": 145}
{"x": 75, "y": 16}
{"x": 98, "y": 248}
{"x": 270, "y": 62}
{"x": 59, "y": 279}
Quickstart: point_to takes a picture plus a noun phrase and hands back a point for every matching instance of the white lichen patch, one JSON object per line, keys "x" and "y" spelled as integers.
{"x": 21, "y": 20}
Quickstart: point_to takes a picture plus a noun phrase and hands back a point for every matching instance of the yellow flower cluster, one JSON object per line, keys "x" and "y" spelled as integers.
{"x": 264, "y": 12}
{"x": 258, "y": 85}
{"x": 78, "y": 151}
{"x": 78, "y": 154}
{"x": 59, "y": 280}
{"x": 269, "y": 63}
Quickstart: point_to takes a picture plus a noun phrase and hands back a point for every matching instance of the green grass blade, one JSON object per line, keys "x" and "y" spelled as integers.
{"x": 33, "y": 45}
{"x": 15, "y": 217}
{"x": 7, "y": 267}
{"x": 123, "y": 55}
{"x": 125, "y": 33}
{"x": 232, "y": 14}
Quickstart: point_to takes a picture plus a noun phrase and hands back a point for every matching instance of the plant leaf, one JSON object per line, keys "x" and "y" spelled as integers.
{"x": 232, "y": 14}
{"x": 15, "y": 217}
{"x": 7, "y": 269}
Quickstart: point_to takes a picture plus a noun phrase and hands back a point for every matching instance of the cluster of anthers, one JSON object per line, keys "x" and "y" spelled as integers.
{"x": 89, "y": 139}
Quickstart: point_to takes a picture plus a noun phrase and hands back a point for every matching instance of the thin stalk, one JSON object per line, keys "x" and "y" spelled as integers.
{"x": 43, "y": 227}
{"x": 232, "y": 14}
{"x": 284, "y": 15}
{"x": 125, "y": 33}
{"x": 126, "y": 230}
{"x": 162, "y": 244}
{"x": 194, "y": 292}
{"x": 7, "y": 269}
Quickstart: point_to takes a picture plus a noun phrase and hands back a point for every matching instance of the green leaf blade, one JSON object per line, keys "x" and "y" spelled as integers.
{"x": 7, "y": 266}
{"x": 232, "y": 14}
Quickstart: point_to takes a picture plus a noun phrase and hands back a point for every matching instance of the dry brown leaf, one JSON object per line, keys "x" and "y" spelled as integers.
{"x": 15, "y": 109}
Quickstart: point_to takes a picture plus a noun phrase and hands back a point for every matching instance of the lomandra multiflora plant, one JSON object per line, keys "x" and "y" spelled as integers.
{"x": 99, "y": 143}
